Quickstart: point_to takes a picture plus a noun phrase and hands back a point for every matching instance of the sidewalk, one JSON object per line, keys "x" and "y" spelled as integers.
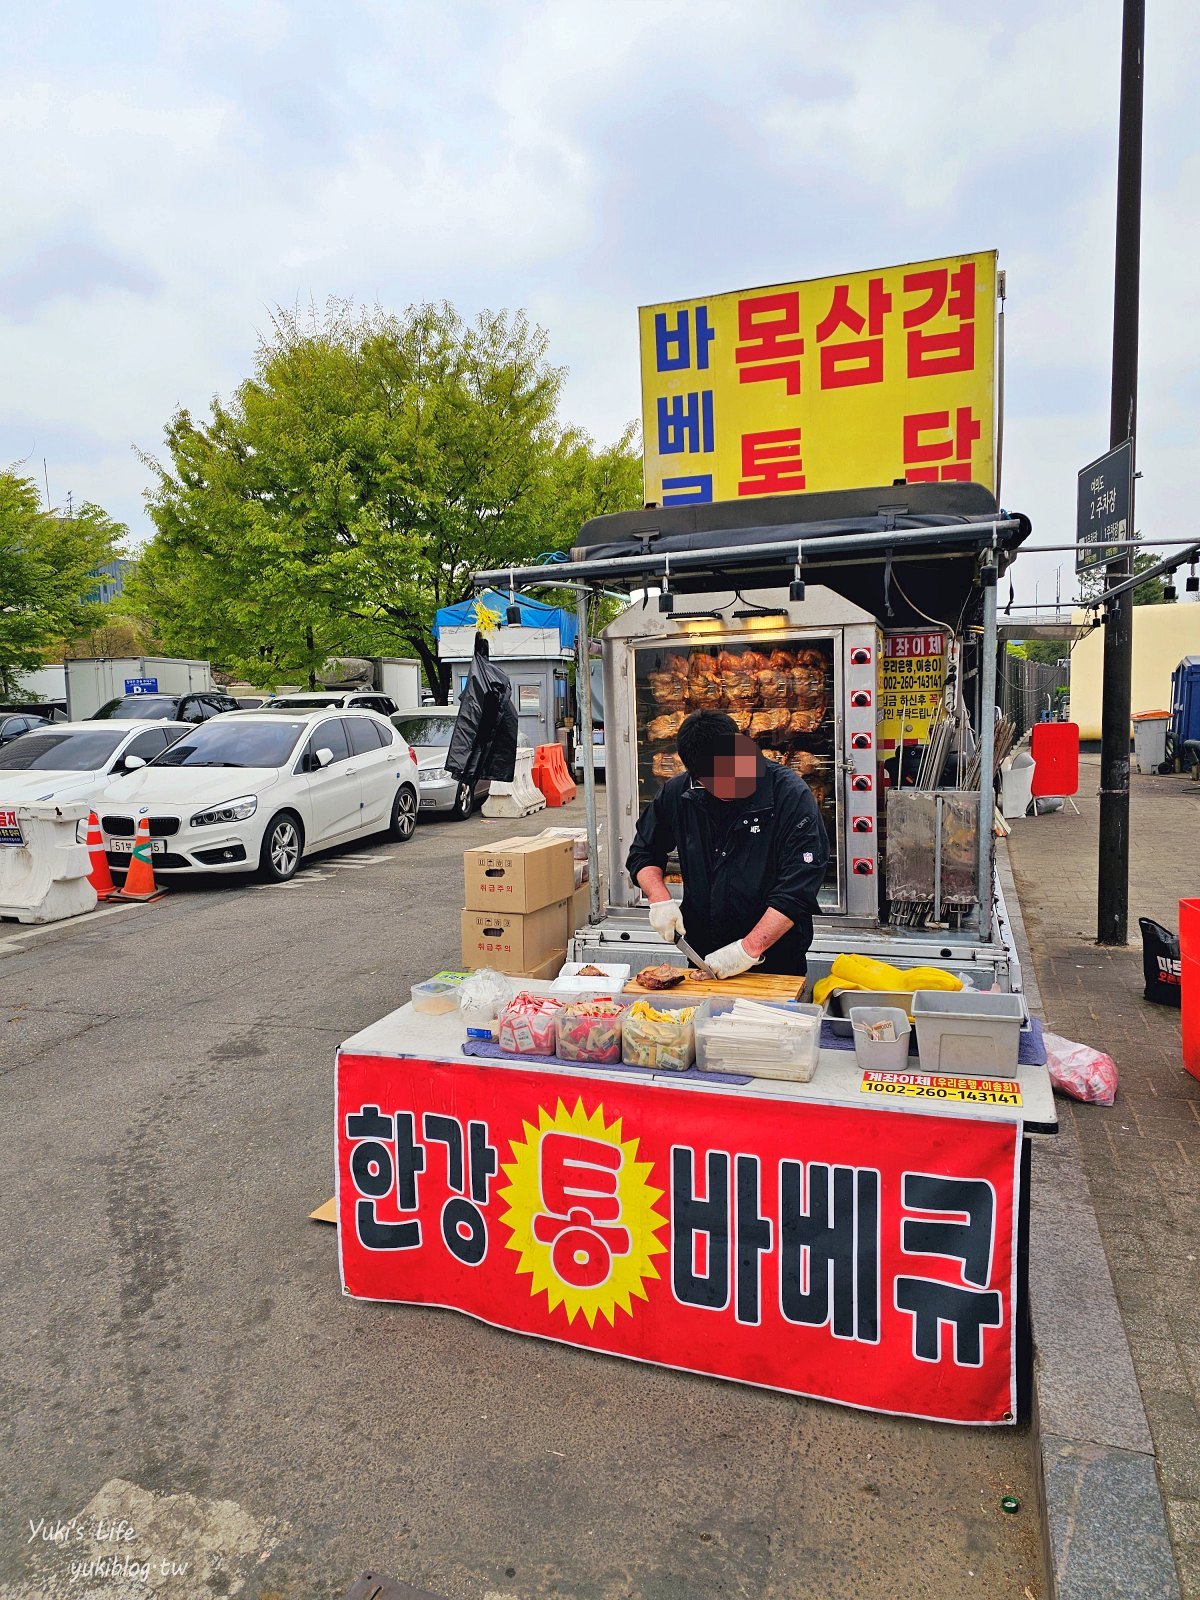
{"x": 1141, "y": 1157}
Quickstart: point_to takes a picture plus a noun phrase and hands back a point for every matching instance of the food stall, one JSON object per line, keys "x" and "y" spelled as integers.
{"x": 757, "y": 1180}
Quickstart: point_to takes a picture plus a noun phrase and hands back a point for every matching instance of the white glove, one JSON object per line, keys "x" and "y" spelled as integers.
{"x": 731, "y": 960}
{"x": 666, "y": 919}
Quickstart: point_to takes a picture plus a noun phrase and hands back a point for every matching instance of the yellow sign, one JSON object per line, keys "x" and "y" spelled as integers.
{"x": 928, "y": 1086}
{"x": 836, "y": 383}
{"x": 910, "y": 687}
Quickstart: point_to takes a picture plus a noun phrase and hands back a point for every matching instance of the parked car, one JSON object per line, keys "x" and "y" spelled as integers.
{"x": 260, "y": 789}
{"x": 333, "y": 699}
{"x": 14, "y": 724}
{"x": 597, "y": 756}
{"x": 75, "y": 760}
{"x": 251, "y": 702}
{"x": 174, "y": 707}
{"x": 428, "y": 731}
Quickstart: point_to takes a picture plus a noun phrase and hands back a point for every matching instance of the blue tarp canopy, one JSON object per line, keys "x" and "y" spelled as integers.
{"x": 534, "y": 614}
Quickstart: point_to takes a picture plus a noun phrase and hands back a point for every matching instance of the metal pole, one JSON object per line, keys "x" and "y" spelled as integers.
{"x": 987, "y": 746}
{"x": 1001, "y": 290}
{"x": 583, "y": 695}
{"x": 1112, "y": 895}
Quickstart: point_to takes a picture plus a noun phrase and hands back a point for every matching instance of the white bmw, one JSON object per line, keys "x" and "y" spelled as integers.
{"x": 260, "y": 789}
{"x": 75, "y": 760}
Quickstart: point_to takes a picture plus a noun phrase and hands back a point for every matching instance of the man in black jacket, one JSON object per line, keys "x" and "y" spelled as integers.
{"x": 752, "y": 850}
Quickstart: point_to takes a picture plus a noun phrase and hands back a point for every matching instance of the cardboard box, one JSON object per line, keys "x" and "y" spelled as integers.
{"x": 519, "y": 875}
{"x": 581, "y": 905}
{"x": 515, "y": 942}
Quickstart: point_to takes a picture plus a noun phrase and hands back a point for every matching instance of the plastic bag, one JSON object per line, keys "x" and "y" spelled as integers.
{"x": 1080, "y": 1071}
{"x": 483, "y": 996}
{"x": 1161, "y": 965}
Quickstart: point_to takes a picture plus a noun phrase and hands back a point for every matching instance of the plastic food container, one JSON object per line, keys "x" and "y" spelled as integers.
{"x": 614, "y": 975}
{"x": 589, "y": 1030}
{"x": 434, "y": 997}
{"x": 526, "y": 1025}
{"x": 660, "y": 1036}
{"x": 968, "y": 1032}
{"x": 881, "y": 1055}
{"x": 736, "y": 1037}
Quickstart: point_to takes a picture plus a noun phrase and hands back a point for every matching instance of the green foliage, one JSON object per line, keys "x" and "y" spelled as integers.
{"x": 47, "y": 566}
{"x": 352, "y": 486}
{"x": 1093, "y": 584}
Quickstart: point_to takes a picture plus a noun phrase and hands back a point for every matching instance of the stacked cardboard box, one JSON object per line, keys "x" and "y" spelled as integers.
{"x": 519, "y": 904}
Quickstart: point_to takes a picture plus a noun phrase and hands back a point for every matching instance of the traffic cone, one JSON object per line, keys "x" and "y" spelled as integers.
{"x": 100, "y": 878}
{"x": 139, "y": 880}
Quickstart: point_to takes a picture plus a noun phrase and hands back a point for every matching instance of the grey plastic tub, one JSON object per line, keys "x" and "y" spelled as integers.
{"x": 968, "y": 1031}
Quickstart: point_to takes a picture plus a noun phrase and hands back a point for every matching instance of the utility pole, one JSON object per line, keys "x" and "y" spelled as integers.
{"x": 1112, "y": 898}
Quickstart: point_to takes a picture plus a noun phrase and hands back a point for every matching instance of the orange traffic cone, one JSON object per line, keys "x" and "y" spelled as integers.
{"x": 100, "y": 878}
{"x": 139, "y": 880}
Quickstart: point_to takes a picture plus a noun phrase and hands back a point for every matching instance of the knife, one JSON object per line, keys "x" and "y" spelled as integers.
{"x": 685, "y": 948}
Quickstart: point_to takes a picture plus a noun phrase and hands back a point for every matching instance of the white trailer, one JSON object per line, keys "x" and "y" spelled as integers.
{"x": 94, "y": 681}
{"x": 400, "y": 677}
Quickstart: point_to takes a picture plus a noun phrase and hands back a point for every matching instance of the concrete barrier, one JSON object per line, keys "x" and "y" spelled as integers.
{"x": 521, "y": 797}
{"x": 45, "y": 878}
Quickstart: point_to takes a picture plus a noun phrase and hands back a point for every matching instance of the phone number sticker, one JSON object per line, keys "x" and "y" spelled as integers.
{"x": 929, "y": 1086}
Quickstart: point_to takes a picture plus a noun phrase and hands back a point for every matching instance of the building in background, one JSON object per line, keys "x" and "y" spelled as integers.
{"x": 110, "y": 580}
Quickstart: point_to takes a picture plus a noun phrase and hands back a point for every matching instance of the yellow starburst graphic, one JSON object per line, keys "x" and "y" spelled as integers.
{"x": 581, "y": 1212}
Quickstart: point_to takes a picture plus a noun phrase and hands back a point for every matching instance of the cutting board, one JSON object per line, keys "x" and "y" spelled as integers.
{"x": 750, "y": 986}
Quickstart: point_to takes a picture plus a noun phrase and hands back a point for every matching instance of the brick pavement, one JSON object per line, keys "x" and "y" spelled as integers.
{"x": 1141, "y": 1157}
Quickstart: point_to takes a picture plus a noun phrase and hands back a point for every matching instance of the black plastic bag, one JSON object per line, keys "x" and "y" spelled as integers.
{"x": 484, "y": 741}
{"x": 1161, "y": 966}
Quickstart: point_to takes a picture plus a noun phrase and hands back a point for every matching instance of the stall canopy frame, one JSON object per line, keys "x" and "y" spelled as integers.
{"x": 951, "y": 538}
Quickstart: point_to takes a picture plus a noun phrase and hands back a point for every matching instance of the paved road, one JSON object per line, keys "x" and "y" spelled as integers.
{"x": 172, "y": 1323}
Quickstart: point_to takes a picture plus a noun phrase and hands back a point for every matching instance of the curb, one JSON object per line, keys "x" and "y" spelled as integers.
{"x": 1104, "y": 1525}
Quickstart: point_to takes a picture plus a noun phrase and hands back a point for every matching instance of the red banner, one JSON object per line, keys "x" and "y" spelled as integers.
{"x": 865, "y": 1256}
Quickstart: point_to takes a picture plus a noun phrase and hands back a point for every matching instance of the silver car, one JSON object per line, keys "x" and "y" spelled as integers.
{"x": 428, "y": 731}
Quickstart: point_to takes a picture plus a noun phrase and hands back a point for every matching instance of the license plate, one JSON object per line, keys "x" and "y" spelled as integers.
{"x": 426, "y": 805}
{"x": 124, "y": 847}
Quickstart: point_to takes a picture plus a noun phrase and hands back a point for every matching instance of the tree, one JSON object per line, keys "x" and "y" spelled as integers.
{"x": 48, "y": 564}
{"x": 1092, "y": 584}
{"x": 355, "y": 482}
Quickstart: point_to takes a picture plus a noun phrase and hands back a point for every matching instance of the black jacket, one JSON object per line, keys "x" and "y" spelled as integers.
{"x": 774, "y": 854}
{"x": 484, "y": 741}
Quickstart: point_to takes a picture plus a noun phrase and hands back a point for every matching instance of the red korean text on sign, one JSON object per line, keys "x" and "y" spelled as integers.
{"x": 846, "y": 363}
{"x": 771, "y": 462}
{"x": 769, "y": 344}
{"x": 940, "y": 293}
{"x": 937, "y": 446}
{"x": 581, "y": 1220}
{"x": 866, "y": 1256}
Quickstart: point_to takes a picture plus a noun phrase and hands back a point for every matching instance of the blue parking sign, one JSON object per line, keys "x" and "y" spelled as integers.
{"x": 141, "y": 685}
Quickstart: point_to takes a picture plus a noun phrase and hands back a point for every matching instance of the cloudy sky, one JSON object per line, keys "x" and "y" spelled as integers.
{"x": 172, "y": 172}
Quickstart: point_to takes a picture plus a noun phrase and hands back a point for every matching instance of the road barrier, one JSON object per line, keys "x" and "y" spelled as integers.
{"x": 44, "y": 876}
{"x": 521, "y": 797}
{"x": 551, "y": 775}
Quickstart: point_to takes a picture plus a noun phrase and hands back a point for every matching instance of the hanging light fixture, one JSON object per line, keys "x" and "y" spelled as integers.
{"x": 666, "y": 600}
{"x": 1170, "y": 592}
{"x": 513, "y": 610}
{"x": 796, "y": 587}
{"x": 1193, "y": 582}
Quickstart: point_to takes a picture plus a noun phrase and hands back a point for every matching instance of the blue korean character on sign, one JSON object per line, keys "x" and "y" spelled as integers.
{"x": 694, "y": 491}
{"x": 685, "y": 423}
{"x": 674, "y": 345}
{"x": 141, "y": 685}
